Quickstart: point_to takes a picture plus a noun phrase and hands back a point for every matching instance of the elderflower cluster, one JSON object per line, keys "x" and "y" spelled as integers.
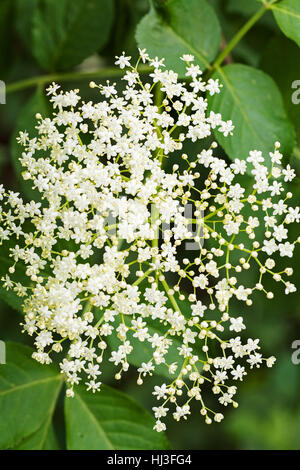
{"x": 105, "y": 251}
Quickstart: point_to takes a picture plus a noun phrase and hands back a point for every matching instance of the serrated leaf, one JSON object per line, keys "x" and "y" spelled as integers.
{"x": 287, "y": 15}
{"x": 109, "y": 420}
{"x": 67, "y": 32}
{"x": 252, "y": 100}
{"x": 179, "y": 27}
{"x": 28, "y": 393}
{"x": 26, "y": 121}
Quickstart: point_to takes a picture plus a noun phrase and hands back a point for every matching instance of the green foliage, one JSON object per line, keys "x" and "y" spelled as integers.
{"x": 110, "y": 421}
{"x": 244, "y": 8}
{"x": 273, "y": 426}
{"x": 287, "y": 15}
{"x": 28, "y": 392}
{"x": 172, "y": 30}
{"x": 63, "y": 32}
{"x": 282, "y": 51}
{"x": 251, "y": 99}
{"x": 43, "y": 439}
{"x": 127, "y": 14}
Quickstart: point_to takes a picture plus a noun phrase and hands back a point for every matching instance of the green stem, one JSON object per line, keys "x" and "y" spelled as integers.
{"x": 155, "y": 217}
{"x": 140, "y": 279}
{"x": 241, "y": 33}
{"x": 158, "y": 98}
{"x": 171, "y": 296}
{"x": 107, "y": 72}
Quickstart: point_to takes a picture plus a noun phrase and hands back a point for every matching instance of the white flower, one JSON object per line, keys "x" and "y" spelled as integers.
{"x": 198, "y": 308}
{"x": 160, "y": 411}
{"x": 289, "y": 288}
{"x": 238, "y": 373}
{"x": 286, "y": 249}
{"x": 159, "y": 426}
{"x": 146, "y": 368}
{"x": 187, "y": 58}
{"x": 106, "y": 254}
{"x": 181, "y": 412}
{"x": 255, "y": 360}
{"x": 160, "y": 392}
{"x": 270, "y": 246}
{"x": 213, "y": 86}
{"x": 218, "y": 417}
{"x": 226, "y": 128}
{"x": 237, "y": 324}
{"x": 200, "y": 281}
{"x": 44, "y": 339}
{"x": 271, "y": 361}
{"x": 123, "y": 61}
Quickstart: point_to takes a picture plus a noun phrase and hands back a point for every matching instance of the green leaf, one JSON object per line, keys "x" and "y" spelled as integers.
{"x": 26, "y": 121}
{"x": 43, "y": 439}
{"x": 28, "y": 393}
{"x": 281, "y": 50}
{"x": 246, "y": 9}
{"x": 109, "y": 420}
{"x": 179, "y": 27}
{"x": 251, "y": 99}
{"x": 24, "y": 15}
{"x": 287, "y": 15}
{"x": 67, "y": 32}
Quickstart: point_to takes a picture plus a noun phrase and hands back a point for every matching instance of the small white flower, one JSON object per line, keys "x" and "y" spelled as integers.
{"x": 104, "y": 254}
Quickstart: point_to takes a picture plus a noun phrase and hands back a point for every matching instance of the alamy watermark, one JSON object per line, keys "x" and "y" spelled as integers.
{"x": 296, "y": 354}
{"x": 191, "y": 218}
{"x": 2, "y": 352}
{"x": 296, "y": 94}
{"x": 2, "y": 92}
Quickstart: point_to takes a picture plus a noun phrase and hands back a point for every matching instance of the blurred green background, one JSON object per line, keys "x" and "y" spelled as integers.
{"x": 268, "y": 416}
